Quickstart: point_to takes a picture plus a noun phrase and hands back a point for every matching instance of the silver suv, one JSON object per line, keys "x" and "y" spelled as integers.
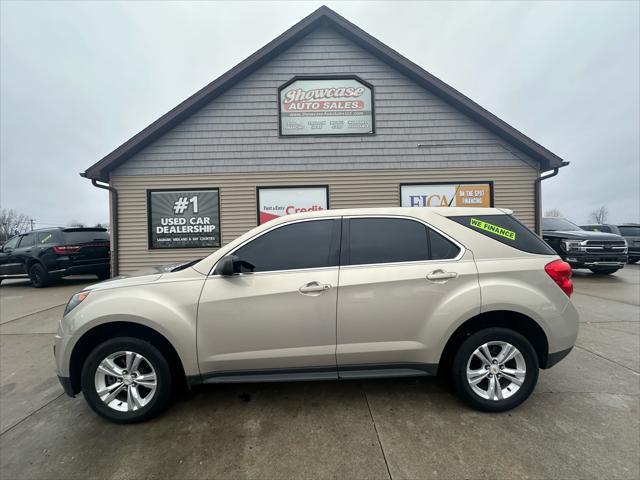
{"x": 338, "y": 294}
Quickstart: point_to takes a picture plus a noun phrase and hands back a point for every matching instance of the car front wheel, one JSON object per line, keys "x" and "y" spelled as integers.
{"x": 126, "y": 380}
{"x": 495, "y": 369}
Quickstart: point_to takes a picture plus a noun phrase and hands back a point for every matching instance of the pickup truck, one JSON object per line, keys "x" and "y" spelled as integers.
{"x": 629, "y": 231}
{"x": 602, "y": 253}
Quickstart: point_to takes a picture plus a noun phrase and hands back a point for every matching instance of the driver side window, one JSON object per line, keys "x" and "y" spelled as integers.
{"x": 12, "y": 243}
{"x": 310, "y": 244}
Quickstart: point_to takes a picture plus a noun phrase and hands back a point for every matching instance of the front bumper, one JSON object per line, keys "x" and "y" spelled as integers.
{"x": 589, "y": 260}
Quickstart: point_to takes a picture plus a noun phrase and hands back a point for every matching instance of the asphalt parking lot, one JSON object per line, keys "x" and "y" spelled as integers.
{"x": 583, "y": 420}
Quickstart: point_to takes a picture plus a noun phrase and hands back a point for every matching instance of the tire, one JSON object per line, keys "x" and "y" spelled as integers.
{"x": 134, "y": 402}
{"x": 39, "y": 276}
{"x": 511, "y": 393}
{"x": 634, "y": 259}
{"x": 604, "y": 271}
{"x": 103, "y": 274}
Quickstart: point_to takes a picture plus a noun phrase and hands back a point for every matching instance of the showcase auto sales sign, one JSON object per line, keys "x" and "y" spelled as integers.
{"x": 278, "y": 202}
{"x": 331, "y": 106}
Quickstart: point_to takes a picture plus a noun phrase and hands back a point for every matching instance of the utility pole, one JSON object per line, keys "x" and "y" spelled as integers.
{"x": 31, "y": 222}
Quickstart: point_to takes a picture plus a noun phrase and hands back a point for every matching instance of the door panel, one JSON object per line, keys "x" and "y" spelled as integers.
{"x": 260, "y": 321}
{"x": 393, "y": 314}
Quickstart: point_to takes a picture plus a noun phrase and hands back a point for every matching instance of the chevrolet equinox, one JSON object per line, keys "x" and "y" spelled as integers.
{"x": 335, "y": 294}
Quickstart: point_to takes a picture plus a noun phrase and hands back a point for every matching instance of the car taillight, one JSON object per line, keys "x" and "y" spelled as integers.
{"x": 66, "y": 249}
{"x": 561, "y": 273}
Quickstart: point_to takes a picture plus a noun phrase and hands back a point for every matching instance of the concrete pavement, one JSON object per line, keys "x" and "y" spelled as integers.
{"x": 581, "y": 422}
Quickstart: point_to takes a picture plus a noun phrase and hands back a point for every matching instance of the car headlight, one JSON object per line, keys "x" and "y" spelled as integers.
{"x": 74, "y": 301}
{"x": 571, "y": 245}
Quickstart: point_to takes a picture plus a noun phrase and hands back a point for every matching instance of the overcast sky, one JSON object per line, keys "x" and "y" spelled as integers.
{"x": 80, "y": 78}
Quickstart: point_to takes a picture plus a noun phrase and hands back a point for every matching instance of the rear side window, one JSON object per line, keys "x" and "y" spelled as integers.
{"x": 312, "y": 244}
{"x": 628, "y": 231}
{"x": 441, "y": 248}
{"x": 393, "y": 240}
{"x": 74, "y": 237}
{"x": 28, "y": 240}
{"x": 46, "y": 238}
{"x": 386, "y": 240}
{"x": 506, "y": 229}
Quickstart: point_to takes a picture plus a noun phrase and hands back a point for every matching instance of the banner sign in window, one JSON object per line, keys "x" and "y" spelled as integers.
{"x": 447, "y": 195}
{"x": 326, "y": 106}
{"x": 491, "y": 228}
{"x": 183, "y": 218}
{"x": 280, "y": 201}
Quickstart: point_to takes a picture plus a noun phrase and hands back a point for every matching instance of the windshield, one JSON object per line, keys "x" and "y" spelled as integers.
{"x": 550, "y": 224}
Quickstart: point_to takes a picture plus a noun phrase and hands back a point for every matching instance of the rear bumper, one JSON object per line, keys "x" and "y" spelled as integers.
{"x": 81, "y": 269}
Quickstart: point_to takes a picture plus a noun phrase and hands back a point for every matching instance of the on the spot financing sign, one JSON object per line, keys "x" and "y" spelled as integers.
{"x": 278, "y": 202}
{"x": 331, "y": 106}
{"x": 183, "y": 218}
{"x": 449, "y": 195}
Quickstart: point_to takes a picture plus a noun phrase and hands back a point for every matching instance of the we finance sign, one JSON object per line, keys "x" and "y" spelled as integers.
{"x": 326, "y": 106}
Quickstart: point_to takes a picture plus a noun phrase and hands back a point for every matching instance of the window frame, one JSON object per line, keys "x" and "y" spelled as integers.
{"x": 25, "y": 235}
{"x": 280, "y": 225}
{"x": 344, "y": 250}
{"x": 342, "y": 245}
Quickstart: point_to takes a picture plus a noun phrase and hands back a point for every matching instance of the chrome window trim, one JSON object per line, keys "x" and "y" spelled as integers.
{"x": 457, "y": 258}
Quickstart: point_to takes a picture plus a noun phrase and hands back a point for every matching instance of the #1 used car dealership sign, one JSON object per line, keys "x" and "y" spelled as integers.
{"x": 326, "y": 106}
{"x": 184, "y": 218}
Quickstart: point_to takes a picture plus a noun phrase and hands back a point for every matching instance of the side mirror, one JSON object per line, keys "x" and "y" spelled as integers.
{"x": 232, "y": 265}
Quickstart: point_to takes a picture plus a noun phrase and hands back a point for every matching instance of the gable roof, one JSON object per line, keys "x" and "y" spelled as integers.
{"x": 323, "y": 16}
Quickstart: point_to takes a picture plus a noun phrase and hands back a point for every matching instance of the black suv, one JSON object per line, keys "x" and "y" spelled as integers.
{"x": 48, "y": 254}
{"x": 600, "y": 252}
{"x": 629, "y": 231}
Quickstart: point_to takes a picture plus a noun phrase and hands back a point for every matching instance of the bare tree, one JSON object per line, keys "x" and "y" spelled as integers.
{"x": 11, "y": 223}
{"x": 553, "y": 212}
{"x": 599, "y": 215}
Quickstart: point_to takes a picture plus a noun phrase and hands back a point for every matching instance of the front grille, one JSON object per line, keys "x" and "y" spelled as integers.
{"x": 604, "y": 246}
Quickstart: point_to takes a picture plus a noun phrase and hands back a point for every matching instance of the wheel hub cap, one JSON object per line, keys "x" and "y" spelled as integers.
{"x": 125, "y": 381}
{"x": 496, "y": 370}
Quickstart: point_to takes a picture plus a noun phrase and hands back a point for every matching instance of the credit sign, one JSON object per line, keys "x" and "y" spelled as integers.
{"x": 447, "y": 195}
{"x": 183, "y": 218}
{"x": 281, "y": 201}
{"x": 328, "y": 106}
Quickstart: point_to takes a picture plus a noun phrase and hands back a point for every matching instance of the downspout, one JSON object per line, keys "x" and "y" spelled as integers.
{"x": 114, "y": 222}
{"x": 538, "y": 191}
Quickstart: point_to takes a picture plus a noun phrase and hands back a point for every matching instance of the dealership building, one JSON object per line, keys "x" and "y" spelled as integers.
{"x": 324, "y": 116}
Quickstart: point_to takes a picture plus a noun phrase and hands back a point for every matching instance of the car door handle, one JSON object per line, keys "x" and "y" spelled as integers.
{"x": 440, "y": 275}
{"x": 314, "y": 287}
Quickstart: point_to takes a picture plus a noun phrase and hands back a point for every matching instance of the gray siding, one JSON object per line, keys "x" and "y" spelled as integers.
{"x": 238, "y": 131}
{"x": 513, "y": 188}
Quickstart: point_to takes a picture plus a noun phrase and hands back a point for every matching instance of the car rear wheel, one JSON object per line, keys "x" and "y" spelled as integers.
{"x": 126, "y": 380}
{"x": 604, "y": 271}
{"x": 495, "y": 369}
{"x": 39, "y": 276}
{"x": 103, "y": 274}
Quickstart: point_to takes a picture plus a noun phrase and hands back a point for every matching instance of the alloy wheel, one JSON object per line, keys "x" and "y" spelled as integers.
{"x": 496, "y": 370}
{"x": 125, "y": 381}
